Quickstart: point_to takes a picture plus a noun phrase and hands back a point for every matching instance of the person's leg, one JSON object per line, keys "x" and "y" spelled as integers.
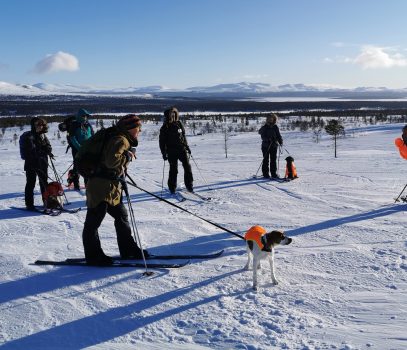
{"x": 188, "y": 177}
{"x": 75, "y": 175}
{"x": 172, "y": 176}
{"x": 128, "y": 248}
{"x": 265, "y": 165}
{"x": 90, "y": 236}
{"x": 31, "y": 177}
{"x": 273, "y": 160}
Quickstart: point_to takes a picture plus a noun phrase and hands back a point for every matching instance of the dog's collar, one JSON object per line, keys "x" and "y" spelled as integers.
{"x": 263, "y": 241}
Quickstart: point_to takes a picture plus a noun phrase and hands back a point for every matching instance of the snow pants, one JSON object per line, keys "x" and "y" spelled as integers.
{"x": 269, "y": 160}
{"x": 172, "y": 177}
{"x": 31, "y": 177}
{"x": 90, "y": 235}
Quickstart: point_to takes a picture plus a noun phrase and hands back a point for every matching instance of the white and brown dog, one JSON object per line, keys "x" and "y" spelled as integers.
{"x": 261, "y": 245}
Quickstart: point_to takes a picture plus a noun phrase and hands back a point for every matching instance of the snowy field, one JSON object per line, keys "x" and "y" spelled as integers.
{"x": 343, "y": 280}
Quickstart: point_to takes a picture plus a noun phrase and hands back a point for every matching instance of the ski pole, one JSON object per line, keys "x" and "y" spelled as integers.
{"x": 193, "y": 159}
{"x": 134, "y": 225}
{"x": 267, "y": 154}
{"x": 162, "y": 180}
{"x": 58, "y": 178}
{"x": 397, "y": 199}
{"x": 66, "y": 170}
{"x": 132, "y": 183}
{"x": 278, "y": 159}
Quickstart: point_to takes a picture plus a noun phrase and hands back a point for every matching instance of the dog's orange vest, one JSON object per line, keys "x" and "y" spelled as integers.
{"x": 254, "y": 234}
{"x": 293, "y": 170}
{"x": 401, "y": 146}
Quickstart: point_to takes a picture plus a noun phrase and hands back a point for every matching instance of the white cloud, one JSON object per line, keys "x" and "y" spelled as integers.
{"x": 60, "y": 61}
{"x": 372, "y": 57}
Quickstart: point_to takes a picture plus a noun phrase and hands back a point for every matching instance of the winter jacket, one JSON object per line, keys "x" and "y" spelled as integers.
{"x": 254, "y": 234}
{"x": 114, "y": 159}
{"x": 79, "y": 132}
{"x": 172, "y": 138}
{"x": 270, "y": 135}
{"x": 37, "y": 148}
{"x": 402, "y": 147}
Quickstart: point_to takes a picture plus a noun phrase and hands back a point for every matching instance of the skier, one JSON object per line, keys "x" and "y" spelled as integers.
{"x": 271, "y": 139}
{"x": 80, "y": 130}
{"x": 35, "y": 149}
{"x": 174, "y": 147}
{"x": 104, "y": 193}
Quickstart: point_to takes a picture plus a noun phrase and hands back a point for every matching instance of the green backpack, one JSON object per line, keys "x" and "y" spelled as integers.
{"x": 89, "y": 156}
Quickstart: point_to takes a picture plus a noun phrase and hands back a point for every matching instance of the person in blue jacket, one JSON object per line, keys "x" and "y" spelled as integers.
{"x": 79, "y": 131}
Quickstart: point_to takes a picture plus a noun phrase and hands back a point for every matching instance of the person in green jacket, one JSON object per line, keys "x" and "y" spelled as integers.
{"x": 104, "y": 194}
{"x": 80, "y": 130}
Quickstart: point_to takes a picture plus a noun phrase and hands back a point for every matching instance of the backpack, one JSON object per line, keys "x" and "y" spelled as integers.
{"x": 87, "y": 160}
{"x": 22, "y": 141}
{"x": 53, "y": 196}
{"x": 66, "y": 124}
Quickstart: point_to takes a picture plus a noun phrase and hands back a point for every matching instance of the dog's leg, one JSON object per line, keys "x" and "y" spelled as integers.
{"x": 256, "y": 262}
{"x": 271, "y": 261}
{"x": 249, "y": 253}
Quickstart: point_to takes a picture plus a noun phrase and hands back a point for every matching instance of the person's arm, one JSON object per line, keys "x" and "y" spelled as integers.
{"x": 279, "y": 138}
{"x": 162, "y": 140}
{"x": 115, "y": 154}
{"x": 184, "y": 138}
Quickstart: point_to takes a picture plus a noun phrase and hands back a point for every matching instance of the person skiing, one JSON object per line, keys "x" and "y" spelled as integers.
{"x": 271, "y": 139}
{"x": 35, "y": 149}
{"x": 104, "y": 193}
{"x": 401, "y": 143}
{"x": 80, "y": 130}
{"x": 174, "y": 147}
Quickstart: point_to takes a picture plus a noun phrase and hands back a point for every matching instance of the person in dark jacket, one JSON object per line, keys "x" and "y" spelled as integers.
{"x": 79, "y": 131}
{"x": 104, "y": 194}
{"x": 271, "y": 139}
{"x": 174, "y": 147}
{"x": 36, "y": 148}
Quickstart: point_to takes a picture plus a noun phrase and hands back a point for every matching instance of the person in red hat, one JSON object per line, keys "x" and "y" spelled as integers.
{"x": 104, "y": 193}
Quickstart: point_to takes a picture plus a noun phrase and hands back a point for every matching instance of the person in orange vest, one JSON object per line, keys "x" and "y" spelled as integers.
{"x": 401, "y": 143}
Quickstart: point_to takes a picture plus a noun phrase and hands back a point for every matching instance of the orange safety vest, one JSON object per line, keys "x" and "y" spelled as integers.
{"x": 401, "y": 146}
{"x": 254, "y": 234}
{"x": 294, "y": 170}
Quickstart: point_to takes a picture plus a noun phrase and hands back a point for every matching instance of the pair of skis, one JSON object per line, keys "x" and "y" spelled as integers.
{"x": 181, "y": 197}
{"x": 50, "y": 212}
{"x": 118, "y": 262}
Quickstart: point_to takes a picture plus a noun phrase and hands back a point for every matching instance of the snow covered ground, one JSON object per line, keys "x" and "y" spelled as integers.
{"x": 343, "y": 280}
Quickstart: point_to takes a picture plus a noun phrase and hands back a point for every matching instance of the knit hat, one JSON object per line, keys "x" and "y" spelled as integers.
{"x": 129, "y": 121}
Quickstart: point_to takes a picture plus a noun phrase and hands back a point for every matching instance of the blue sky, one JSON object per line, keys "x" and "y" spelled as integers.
{"x": 184, "y": 43}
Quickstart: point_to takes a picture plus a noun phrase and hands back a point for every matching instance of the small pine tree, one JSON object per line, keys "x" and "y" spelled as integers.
{"x": 334, "y": 128}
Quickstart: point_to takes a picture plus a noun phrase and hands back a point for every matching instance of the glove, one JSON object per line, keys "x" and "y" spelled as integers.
{"x": 51, "y": 156}
{"x": 129, "y": 156}
{"x": 188, "y": 150}
{"x": 165, "y": 157}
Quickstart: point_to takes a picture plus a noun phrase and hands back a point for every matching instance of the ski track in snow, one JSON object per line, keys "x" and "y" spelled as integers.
{"x": 342, "y": 282}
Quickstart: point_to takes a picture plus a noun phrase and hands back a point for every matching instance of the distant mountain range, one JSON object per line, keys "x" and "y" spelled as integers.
{"x": 237, "y": 90}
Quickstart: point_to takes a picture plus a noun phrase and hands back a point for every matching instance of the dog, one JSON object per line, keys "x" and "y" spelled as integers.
{"x": 290, "y": 169}
{"x": 260, "y": 244}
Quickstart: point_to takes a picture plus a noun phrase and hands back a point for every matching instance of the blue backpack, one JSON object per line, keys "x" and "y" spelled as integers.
{"x": 22, "y": 141}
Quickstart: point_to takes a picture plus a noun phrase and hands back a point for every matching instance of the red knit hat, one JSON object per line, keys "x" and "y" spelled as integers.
{"x": 129, "y": 121}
